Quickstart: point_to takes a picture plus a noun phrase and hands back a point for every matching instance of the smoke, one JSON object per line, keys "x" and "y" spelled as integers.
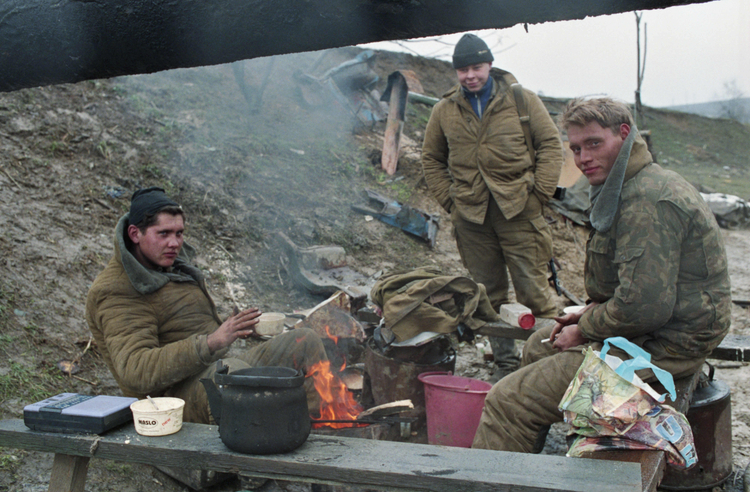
{"x": 264, "y": 145}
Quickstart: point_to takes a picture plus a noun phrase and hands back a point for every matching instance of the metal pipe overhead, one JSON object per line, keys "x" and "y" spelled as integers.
{"x": 44, "y": 42}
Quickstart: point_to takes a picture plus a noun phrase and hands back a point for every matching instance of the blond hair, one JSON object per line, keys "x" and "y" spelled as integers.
{"x": 605, "y": 111}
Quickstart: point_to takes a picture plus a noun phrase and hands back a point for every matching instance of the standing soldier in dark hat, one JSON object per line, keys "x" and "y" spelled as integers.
{"x": 480, "y": 169}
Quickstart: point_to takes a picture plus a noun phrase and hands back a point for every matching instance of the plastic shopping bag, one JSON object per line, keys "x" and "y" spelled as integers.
{"x": 609, "y": 407}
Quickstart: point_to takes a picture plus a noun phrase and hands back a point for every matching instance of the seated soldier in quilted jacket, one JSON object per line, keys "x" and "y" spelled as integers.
{"x": 156, "y": 325}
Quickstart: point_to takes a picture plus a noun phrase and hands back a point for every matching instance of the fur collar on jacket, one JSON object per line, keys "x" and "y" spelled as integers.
{"x": 146, "y": 280}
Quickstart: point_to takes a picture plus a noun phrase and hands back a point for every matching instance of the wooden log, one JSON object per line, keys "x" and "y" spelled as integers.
{"x": 391, "y": 408}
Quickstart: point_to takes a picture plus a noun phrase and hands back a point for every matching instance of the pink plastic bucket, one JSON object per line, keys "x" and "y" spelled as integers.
{"x": 454, "y": 405}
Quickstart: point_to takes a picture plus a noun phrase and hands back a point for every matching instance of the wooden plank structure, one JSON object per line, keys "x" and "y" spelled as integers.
{"x": 380, "y": 465}
{"x": 734, "y": 348}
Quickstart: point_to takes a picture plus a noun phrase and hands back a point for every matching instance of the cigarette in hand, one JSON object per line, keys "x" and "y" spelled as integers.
{"x": 546, "y": 340}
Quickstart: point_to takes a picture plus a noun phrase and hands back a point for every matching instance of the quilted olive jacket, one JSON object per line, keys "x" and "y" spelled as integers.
{"x": 465, "y": 159}
{"x": 151, "y": 326}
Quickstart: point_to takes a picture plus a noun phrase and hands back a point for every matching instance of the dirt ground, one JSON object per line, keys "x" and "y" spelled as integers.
{"x": 73, "y": 154}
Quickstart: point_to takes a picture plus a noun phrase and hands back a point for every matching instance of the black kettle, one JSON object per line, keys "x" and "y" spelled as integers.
{"x": 259, "y": 410}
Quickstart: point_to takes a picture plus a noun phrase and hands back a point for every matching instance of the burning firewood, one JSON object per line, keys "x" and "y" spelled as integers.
{"x": 391, "y": 408}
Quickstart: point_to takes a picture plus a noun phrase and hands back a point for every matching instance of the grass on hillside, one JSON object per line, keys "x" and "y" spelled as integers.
{"x": 711, "y": 153}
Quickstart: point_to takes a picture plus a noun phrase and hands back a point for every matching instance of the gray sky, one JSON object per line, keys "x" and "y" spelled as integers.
{"x": 692, "y": 52}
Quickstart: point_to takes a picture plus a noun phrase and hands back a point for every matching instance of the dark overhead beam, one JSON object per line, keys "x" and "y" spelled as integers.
{"x": 45, "y": 42}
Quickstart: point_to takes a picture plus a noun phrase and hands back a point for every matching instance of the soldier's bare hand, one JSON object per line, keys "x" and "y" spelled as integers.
{"x": 240, "y": 325}
{"x": 569, "y": 336}
{"x": 562, "y": 322}
{"x": 568, "y": 320}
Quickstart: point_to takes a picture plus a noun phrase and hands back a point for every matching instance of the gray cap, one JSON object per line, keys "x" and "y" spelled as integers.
{"x": 471, "y": 50}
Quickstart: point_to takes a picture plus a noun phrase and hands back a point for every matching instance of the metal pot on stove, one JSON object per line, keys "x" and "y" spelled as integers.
{"x": 259, "y": 410}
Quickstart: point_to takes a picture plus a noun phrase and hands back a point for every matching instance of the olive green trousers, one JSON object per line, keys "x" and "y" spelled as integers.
{"x": 521, "y": 246}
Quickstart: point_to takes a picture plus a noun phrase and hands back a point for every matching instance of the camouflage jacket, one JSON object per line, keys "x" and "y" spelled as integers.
{"x": 467, "y": 159}
{"x": 660, "y": 273}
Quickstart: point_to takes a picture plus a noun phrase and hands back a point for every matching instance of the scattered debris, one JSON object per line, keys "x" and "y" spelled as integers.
{"x": 351, "y": 83}
{"x": 411, "y": 220}
{"x": 323, "y": 270}
{"x": 69, "y": 367}
{"x": 400, "y": 83}
{"x": 732, "y": 212}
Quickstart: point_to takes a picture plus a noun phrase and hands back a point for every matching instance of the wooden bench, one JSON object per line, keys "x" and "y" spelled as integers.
{"x": 357, "y": 462}
{"x": 379, "y": 465}
{"x": 652, "y": 463}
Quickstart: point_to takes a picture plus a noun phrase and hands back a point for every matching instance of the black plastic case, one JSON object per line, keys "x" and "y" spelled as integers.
{"x": 71, "y": 413}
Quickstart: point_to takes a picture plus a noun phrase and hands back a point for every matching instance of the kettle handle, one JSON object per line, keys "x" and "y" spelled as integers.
{"x": 212, "y": 392}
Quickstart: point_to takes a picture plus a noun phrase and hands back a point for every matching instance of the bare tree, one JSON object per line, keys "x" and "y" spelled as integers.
{"x": 733, "y": 107}
{"x": 641, "y": 67}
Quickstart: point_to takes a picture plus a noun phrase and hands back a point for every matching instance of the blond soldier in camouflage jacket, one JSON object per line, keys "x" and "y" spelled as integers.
{"x": 656, "y": 274}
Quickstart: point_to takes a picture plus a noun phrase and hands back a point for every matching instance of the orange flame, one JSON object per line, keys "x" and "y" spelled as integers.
{"x": 336, "y": 402}
{"x": 332, "y": 337}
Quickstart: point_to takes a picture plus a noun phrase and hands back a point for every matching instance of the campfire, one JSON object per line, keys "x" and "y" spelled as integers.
{"x": 338, "y": 407}
{"x": 339, "y": 382}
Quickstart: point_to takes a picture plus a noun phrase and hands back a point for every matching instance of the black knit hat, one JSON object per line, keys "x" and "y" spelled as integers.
{"x": 471, "y": 50}
{"x": 148, "y": 201}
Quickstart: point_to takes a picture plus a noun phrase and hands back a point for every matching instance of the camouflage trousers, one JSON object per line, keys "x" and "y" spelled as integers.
{"x": 521, "y": 404}
{"x": 299, "y": 349}
{"x": 522, "y": 247}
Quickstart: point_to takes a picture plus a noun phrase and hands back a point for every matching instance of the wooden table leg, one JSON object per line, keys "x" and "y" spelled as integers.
{"x": 68, "y": 473}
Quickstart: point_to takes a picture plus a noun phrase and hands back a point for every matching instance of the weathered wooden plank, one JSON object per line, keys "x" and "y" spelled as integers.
{"x": 733, "y": 347}
{"x": 652, "y": 463}
{"x": 382, "y": 465}
{"x": 504, "y": 330}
